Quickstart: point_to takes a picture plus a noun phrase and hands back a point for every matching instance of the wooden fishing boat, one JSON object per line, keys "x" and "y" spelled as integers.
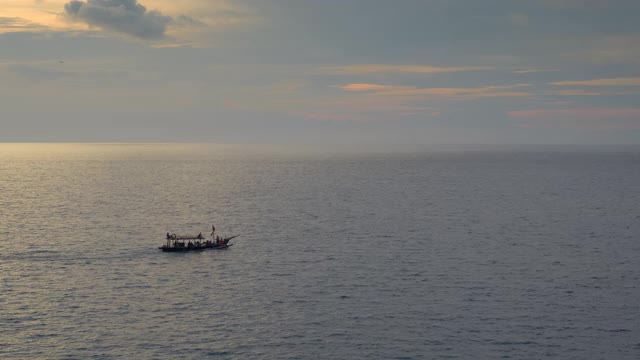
{"x": 183, "y": 243}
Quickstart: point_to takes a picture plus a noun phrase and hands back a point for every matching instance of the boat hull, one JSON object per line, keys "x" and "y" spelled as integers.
{"x": 188, "y": 249}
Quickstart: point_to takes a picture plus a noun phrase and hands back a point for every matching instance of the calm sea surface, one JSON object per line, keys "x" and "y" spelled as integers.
{"x": 522, "y": 254}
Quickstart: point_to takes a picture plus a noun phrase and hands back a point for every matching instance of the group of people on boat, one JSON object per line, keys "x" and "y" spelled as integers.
{"x": 175, "y": 237}
{"x": 196, "y": 242}
{"x": 179, "y": 242}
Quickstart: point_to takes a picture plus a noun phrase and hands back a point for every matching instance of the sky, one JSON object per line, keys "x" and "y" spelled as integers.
{"x": 321, "y": 72}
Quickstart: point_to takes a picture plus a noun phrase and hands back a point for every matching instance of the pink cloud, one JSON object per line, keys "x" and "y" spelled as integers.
{"x": 491, "y": 91}
{"x": 528, "y": 71}
{"x": 366, "y": 87}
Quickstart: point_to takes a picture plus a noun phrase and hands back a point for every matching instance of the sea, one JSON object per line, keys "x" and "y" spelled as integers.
{"x": 454, "y": 253}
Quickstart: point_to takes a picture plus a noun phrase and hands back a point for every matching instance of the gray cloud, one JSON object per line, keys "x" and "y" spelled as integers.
{"x": 123, "y": 16}
{"x": 184, "y": 20}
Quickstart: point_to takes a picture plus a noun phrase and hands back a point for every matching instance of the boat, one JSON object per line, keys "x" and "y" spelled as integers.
{"x": 183, "y": 243}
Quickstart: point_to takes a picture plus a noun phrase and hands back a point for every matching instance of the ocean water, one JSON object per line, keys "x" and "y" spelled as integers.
{"x": 477, "y": 254}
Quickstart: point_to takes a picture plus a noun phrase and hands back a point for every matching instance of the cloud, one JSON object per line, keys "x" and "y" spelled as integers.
{"x": 629, "y": 81}
{"x": 11, "y": 24}
{"x": 575, "y": 92}
{"x": 123, "y": 16}
{"x": 615, "y": 49}
{"x": 184, "y": 20}
{"x": 361, "y": 69}
{"x": 580, "y": 113}
{"x": 416, "y": 92}
{"x": 301, "y": 98}
{"x": 366, "y": 87}
{"x": 528, "y": 71}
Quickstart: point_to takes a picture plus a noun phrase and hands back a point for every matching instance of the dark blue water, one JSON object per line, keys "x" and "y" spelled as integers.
{"x": 522, "y": 254}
